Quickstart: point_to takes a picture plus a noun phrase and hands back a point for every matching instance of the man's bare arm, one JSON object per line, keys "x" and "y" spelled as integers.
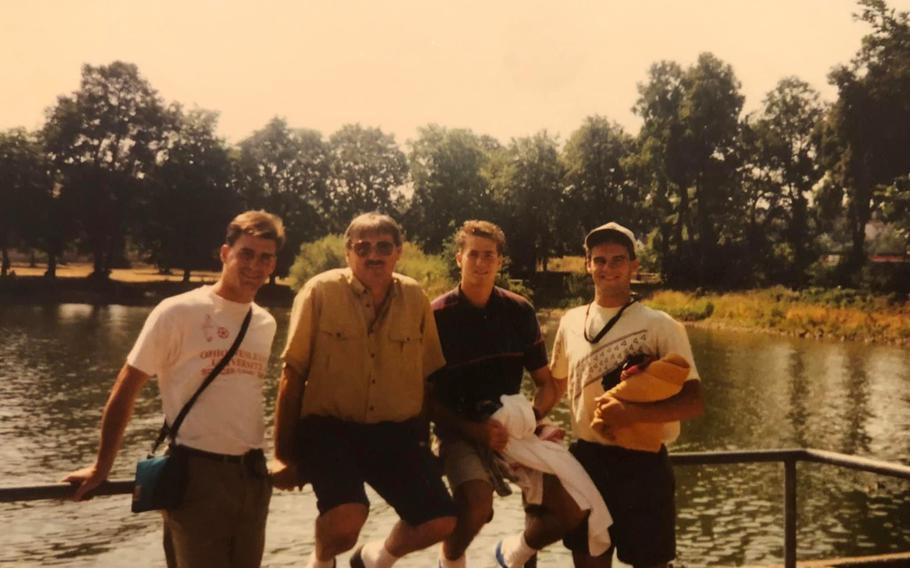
{"x": 287, "y": 412}
{"x": 116, "y": 416}
{"x": 549, "y": 391}
{"x": 685, "y": 405}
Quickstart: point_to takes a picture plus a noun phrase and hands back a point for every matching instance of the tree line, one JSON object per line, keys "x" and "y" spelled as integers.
{"x": 720, "y": 198}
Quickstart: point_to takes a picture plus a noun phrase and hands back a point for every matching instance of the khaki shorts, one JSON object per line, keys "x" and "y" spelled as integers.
{"x": 461, "y": 463}
{"x": 221, "y": 521}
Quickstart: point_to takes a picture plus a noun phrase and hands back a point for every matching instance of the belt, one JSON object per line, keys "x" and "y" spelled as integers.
{"x": 249, "y": 457}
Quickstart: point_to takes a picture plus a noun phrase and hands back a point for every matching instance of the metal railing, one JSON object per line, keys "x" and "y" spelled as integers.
{"x": 788, "y": 457}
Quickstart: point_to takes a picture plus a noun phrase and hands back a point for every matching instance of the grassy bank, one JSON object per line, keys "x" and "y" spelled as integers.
{"x": 836, "y": 313}
{"x": 138, "y": 286}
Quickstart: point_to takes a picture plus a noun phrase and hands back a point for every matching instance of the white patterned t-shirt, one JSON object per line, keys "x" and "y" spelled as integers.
{"x": 640, "y": 329}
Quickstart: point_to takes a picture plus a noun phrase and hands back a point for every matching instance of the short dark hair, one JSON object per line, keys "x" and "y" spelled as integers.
{"x": 373, "y": 222}
{"x": 477, "y": 228}
{"x": 256, "y": 224}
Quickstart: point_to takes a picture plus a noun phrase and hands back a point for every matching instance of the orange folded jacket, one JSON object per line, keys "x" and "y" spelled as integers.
{"x": 660, "y": 380}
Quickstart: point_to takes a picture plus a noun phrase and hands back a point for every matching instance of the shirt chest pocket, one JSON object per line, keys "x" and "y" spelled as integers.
{"x": 338, "y": 345}
{"x": 406, "y": 343}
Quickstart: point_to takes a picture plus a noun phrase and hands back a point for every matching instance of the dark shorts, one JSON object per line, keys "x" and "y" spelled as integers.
{"x": 639, "y": 489}
{"x": 338, "y": 457}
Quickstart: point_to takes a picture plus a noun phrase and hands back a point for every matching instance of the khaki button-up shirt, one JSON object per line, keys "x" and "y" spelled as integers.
{"x": 355, "y": 368}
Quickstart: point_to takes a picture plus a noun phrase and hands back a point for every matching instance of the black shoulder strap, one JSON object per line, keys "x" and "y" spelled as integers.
{"x": 171, "y": 431}
{"x": 609, "y": 325}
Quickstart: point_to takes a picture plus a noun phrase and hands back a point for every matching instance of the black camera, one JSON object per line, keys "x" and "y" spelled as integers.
{"x": 612, "y": 378}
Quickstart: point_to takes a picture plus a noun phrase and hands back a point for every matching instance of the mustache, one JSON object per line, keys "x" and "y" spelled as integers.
{"x": 372, "y": 263}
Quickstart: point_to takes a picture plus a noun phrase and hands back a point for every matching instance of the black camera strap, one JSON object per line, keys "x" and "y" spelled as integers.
{"x": 607, "y": 326}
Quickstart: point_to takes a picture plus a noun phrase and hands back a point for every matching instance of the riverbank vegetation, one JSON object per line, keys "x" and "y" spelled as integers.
{"x": 814, "y": 312}
{"x": 818, "y": 313}
{"x": 433, "y": 272}
{"x": 801, "y": 192}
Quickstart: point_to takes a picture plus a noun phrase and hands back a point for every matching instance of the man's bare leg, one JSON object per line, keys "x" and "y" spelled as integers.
{"x": 554, "y": 517}
{"x": 403, "y": 539}
{"x": 545, "y": 523}
{"x": 337, "y": 530}
{"x": 474, "y": 507}
{"x": 406, "y": 538}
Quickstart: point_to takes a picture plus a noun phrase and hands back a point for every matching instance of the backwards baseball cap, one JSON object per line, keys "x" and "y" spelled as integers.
{"x": 626, "y": 236}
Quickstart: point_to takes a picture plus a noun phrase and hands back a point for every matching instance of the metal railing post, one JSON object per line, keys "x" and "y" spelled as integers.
{"x": 790, "y": 512}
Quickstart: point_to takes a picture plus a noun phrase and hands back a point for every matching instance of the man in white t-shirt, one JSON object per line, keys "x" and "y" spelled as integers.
{"x": 221, "y": 521}
{"x": 592, "y": 344}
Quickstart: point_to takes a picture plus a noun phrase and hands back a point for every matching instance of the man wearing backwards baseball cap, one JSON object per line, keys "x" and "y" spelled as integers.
{"x": 592, "y": 344}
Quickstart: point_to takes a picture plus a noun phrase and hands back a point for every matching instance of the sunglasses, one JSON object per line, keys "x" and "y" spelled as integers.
{"x": 364, "y": 248}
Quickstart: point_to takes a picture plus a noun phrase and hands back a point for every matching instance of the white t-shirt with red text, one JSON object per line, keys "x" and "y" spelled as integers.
{"x": 183, "y": 338}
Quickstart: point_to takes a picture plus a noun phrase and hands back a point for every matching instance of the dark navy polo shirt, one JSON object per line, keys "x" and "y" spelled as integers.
{"x": 486, "y": 349}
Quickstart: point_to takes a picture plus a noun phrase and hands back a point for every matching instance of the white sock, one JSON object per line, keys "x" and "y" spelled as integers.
{"x": 446, "y": 563}
{"x": 516, "y": 551}
{"x": 315, "y": 562}
{"x": 375, "y": 555}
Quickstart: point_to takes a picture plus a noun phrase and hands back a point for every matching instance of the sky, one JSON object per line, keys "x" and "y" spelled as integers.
{"x": 505, "y": 68}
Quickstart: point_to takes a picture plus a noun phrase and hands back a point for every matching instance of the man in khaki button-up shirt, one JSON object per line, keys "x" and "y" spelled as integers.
{"x": 361, "y": 344}
{"x": 356, "y": 371}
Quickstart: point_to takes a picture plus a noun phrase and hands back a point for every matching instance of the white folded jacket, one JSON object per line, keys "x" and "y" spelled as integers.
{"x": 538, "y": 456}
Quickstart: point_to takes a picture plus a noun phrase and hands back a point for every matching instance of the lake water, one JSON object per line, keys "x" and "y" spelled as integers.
{"x": 57, "y": 364}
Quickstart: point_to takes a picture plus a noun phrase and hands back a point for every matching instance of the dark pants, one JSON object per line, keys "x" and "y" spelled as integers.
{"x": 639, "y": 490}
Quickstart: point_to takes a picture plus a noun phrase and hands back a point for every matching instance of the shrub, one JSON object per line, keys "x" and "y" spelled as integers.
{"x": 431, "y": 271}
{"x": 315, "y": 257}
{"x": 578, "y": 289}
{"x": 682, "y": 306}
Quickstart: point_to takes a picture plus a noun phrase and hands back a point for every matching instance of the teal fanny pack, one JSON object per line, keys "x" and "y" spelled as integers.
{"x": 160, "y": 482}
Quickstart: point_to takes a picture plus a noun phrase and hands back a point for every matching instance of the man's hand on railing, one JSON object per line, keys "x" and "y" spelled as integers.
{"x": 87, "y": 480}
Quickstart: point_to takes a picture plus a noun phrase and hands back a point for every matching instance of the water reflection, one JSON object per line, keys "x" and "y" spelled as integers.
{"x": 772, "y": 392}
{"x": 798, "y": 388}
{"x": 57, "y": 364}
{"x": 856, "y": 406}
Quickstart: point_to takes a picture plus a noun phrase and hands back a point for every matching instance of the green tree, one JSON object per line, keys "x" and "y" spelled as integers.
{"x": 106, "y": 139}
{"x": 287, "y": 172}
{"x": 867, "y": 131}
{"x": 25, "y": 186}
{"x": 896, "y": 200}
{"x": 526, "y": 181}
{"x": 597, "y": 184}
{"x": 367, "y": 166}
{"x": 784, "y": 156}
{"x": 449, "y": 186}
{"x": 710, "y": 114}
{"x": 188, "y": 199}
{"x": 689, "y": 160}
{"x": 661, "y": 167}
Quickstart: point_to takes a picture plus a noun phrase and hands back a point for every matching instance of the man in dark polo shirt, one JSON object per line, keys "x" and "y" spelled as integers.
{"x": 489, "y": 337}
